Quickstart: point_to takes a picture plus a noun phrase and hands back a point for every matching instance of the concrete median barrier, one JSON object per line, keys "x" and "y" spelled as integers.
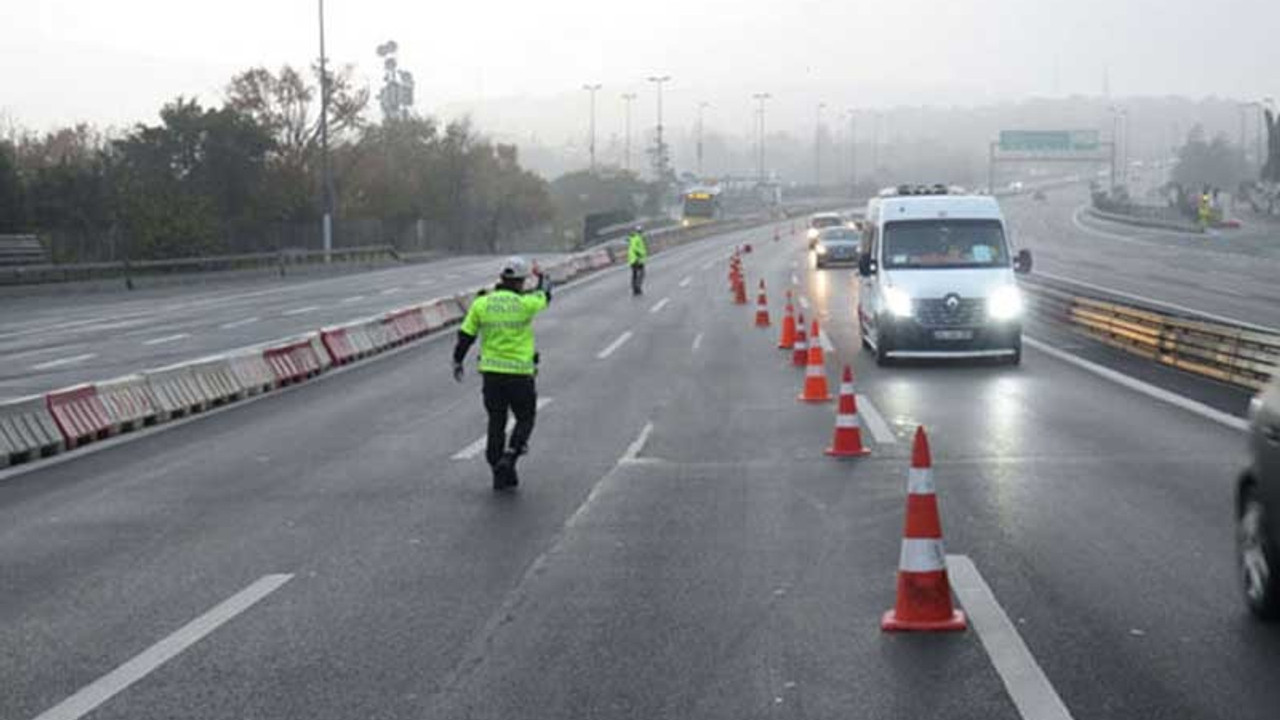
{"x": 129, "y": 402}
{"x": 79, "y": 414}
{"x": 176, "y": 392}
{"x": 323, "y": 358}
{"x": 339, "y": 345}
{"x": 293, "y": 361}
{"x": 251, "y": 371}
{"x": 28, "y": 431}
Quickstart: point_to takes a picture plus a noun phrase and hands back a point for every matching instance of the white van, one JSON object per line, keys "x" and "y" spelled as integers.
{"x": 938, "y": 277}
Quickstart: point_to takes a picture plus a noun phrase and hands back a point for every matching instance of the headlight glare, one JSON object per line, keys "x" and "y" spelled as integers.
{"x": 1005, "y": 303}
{"x": 898, "y": 302}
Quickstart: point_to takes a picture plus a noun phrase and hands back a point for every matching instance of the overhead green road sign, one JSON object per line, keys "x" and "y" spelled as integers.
{"x": 1052, "y": 141}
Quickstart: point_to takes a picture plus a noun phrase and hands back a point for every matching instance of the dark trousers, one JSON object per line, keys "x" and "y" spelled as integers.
{"x": 517, "y": 394}
{"x": 637, "y": 278}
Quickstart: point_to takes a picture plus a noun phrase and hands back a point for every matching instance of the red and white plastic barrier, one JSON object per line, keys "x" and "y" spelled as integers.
{"x": 28, "y": 431}
{"x": 339, "y": 345}
{"x": 80, "y": 415}
{"x": 293, "y": 361}
{"x": 129, "y": 402}
{"x": 175, "y": 391}
{"x": 217, "y": 382}
{"x": 252, "y": 372}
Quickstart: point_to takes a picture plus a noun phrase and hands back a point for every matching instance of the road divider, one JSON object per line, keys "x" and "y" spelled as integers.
{"x": 129, "y": 402}
{"x": 79, "y": 414}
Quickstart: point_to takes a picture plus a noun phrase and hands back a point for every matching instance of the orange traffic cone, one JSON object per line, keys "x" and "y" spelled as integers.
{"x": 800, "y": 351}
{"x": 848, "y": 437}
{"x": 787, "y": 340}
{"x": 762, "y": 308}
{"x": 924, "y": 592}
{"x": 815, "y": 372}
{"x": 740, "y": 292}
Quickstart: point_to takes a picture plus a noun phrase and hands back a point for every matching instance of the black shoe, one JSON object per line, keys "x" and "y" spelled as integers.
{"x": 504, "y": 473}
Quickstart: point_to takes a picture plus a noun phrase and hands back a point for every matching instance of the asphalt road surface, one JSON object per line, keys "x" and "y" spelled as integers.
{"x": 51, "y": 341}
{"x": 1231, "y": 273}
{"x": 680, "y": 546}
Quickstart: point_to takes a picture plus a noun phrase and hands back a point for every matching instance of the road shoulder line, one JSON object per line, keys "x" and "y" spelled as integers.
{"x": 1023, "y": 679}
{"x": 875, "y": 421}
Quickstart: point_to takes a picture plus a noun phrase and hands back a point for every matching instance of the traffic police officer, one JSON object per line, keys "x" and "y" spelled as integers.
{"x": 637, "y": 254}
{"x": 503, "y": 320}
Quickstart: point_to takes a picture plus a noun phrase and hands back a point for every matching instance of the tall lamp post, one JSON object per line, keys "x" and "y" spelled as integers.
{"x": 326, "y": 169}
{"x": 660, "y": 154}
{"x": 760, "y": 99}
{"x": 627, "y": 99}
{"x": 817, "y": 146}
{"x": 853, "y": 150}
{"x": 701, "y": 107}
{"x": 591, "y": 141}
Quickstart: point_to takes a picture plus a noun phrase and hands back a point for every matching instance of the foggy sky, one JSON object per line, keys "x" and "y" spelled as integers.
{"x": 115, "y": 62}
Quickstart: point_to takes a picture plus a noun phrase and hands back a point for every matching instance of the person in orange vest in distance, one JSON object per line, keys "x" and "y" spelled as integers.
{"x": 503, "y": 321}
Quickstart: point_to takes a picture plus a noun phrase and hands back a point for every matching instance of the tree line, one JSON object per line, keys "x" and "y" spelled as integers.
{"x": 245, "y": 176}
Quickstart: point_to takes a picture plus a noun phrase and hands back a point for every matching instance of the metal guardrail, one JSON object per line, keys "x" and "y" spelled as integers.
{"x": 1236, "y": 354}
{"x": 277, "y": 261}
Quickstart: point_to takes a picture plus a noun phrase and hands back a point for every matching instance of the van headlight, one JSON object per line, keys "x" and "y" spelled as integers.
{"x": 820, "y": 249}
{"x": 1005, "y": 303}
{"x": 898, "y": 302}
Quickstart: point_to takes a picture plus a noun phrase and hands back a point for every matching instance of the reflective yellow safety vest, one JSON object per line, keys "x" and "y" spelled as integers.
{"x": 637, "y": 251}
{"x": 504, "y": 321}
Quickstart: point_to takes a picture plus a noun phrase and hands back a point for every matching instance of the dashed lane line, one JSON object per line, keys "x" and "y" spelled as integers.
{"x": 62, "y": 362}
{"x": 167, "y": 339}
{"x": 113, "y": 683}
{"x": 613, "y": 346}
{"x": 473, "y": 450}
{"x": 390, "y": 291}
{"x": 635, "y": 448}
{"x": 1145, "y": 388}
{"x": 657, "y": 307}
{"x": 697, "y": 342}
{"x": 1026, "y": 683}
{"x": 352, "y": 299}
{"x": 825, "y": 341}
{"x": 685, "y": 282}
{"x": 300, "y": 311}
{"x": 804, "y": 302}
{"x": 238, "y": 323}
{"x": 875, "y": 421}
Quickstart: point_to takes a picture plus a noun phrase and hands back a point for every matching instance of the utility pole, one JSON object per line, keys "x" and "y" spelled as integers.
{"x": 701, "y": 106}
{"x": 817, "y": 146}
{"x": 591, "y": 143}
{"x": 660, "y": 152}
{"x": 760, "y": 99}
{"x": 627, "y": 99}
{"x": 875, "y": 144}
{"x": 327, "y": 171}
{"x": 853, "y": 150}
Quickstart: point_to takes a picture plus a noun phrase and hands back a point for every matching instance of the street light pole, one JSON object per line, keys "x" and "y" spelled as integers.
{"x": 701, "y": 106}
{"x": 853, "y": 150}
{"x": 760, "y": 99}
{"x": 627, "y": 99}
{"x": 326, "y": 170}
{"x": 591, "y": 143}
{"x": 817, "y": 146}
{"x": 660, "y": 156}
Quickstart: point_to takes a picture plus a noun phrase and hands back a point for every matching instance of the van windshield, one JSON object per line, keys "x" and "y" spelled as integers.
{"x": 825, "y": 221}
{"x": 944, "y": 244}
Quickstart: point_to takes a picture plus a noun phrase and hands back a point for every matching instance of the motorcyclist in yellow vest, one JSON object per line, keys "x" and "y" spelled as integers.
{"x": 637, "y": 255}
{"x": 503, "y": 320}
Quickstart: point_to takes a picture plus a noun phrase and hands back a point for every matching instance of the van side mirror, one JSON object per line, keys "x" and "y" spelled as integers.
{"x": 1022, "y": 263}
{"x": 866, "y": 265}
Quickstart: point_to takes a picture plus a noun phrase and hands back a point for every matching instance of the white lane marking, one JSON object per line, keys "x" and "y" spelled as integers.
{"x": 64, "y": 361}
{"x": 452, "y": 276}
{"x": 875, "y": 421}
{"x": 1026, "y": 683}
{"x": 804, "y": 302}
{"x": 113, "y": 683}
{"x": 352, "y": 299}
{"x": 424, "y": 283}
{"x": 118, "y": 325}
{"x": 697, "y": 342}
{"x": 708, "y": 264}
{"x": 827, "y": 347}
{"x": 795, "y": 279}
{"x": 685, "y": 282}
{"x": 389, "y": 291}
{"x": 238, "y": 323}
{"x": 1162, "y": 303}
{"x": 301, "y": 310}
{"x": 1145, "y": 388}
{"x": 613, "y": 346}
{"x": 473, "y": 450}
{"x": 633, "y": 450}
{"x": 167, "y": 339}
{"x": 657, "y": 307}
{"x": 1075, "y": 220}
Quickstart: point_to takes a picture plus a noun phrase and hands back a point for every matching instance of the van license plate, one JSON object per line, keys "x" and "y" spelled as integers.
{"x": 952, "y": 334}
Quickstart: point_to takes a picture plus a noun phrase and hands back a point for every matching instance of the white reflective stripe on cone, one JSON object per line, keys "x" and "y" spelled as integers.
{"x": 814, "y": 370}
{"x": 846, "y": 388}
{"x": 922, "y": 555}
{"x": 846, "y": 421}
{"x": 801, "y": 345}
{"x": 920, "y": 481}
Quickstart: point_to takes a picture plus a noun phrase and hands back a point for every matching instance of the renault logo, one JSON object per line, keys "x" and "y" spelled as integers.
{"x": 952, "y": 302}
